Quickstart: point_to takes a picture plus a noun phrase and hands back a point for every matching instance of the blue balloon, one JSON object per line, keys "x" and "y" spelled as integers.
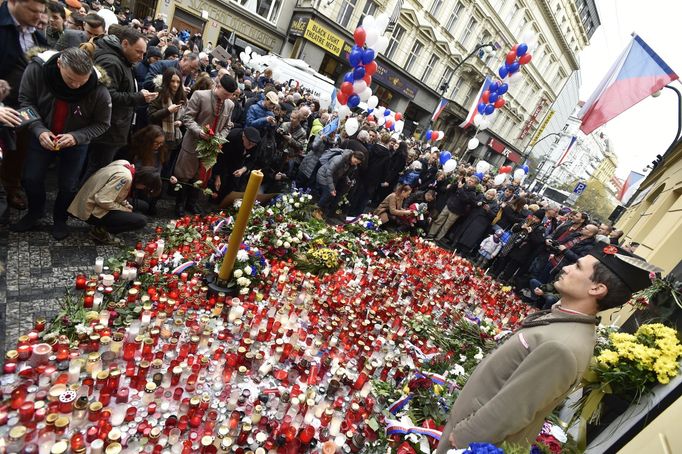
{"x": 514, "y": 67}
{"x": 444, "y": 157}
{"x": 503, "y": 89}
{"x": 489, "y": 109}
{"x": 356, "y": 48}
{"x": 392, "y": 127}
{"x": 428, "y": 135}
{"x": 479, "y": 175}
{"x": 525, "y": 169}
{"x": 503, "y": 72}
{"x": 493, "y": 97}
{"x": 348, "y": 77}
{"x": 355, "y": 57}
{"x": 521, "y": 50}
{"x": 493, "y": 87}
{"x": 481, "y": 107}
{"x": 367, "y": 56}
{"x": 370, "y": 110}
{"x": 359, "y": 72}
{"x": 353, "y": 101}
{"x": 387, "y": 113}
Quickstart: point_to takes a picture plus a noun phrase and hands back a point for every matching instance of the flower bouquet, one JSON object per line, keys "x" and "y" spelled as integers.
{"x": 318, "y": 259}
{"x": 208, "y": 149}
{"x": 250, "y": 268}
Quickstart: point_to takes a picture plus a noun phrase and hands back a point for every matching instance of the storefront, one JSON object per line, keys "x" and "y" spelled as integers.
{"x": 223, "y": 23}
{"x": 494, "y": 150}
{"x": 325, "y": 48}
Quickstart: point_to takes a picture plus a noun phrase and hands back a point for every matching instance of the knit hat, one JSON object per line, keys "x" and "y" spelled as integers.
{"x": 540, "y": 214}
{"x": 153, "y": 51}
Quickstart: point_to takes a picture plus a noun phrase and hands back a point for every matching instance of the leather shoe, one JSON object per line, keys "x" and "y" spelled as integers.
{"x": 60, "y": 231}
{"x": 16, "y": 199}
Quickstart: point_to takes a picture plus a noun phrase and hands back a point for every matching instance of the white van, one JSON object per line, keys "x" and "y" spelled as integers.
{"x": 293, "y": 71}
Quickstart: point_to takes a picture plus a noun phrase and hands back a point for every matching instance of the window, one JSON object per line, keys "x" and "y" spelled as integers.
{"x": 454, "y": 16}
{"x": 447, "y": 77}
{"x": 267, "y": 9}
{"x": 414, "y": 55}
{"x": 457, "y": 88}
{"x": 468, "y": 31}
{"x": 430, "y": 67}
{"x": 435, "y": 6}
{"x": 511, "y": 13}
{"x": 394, "y": 42}
{"x": 520, "y": 26}
{"x": 347, "y": 8}
{"x": 470, "y": 95}
{"x": 369, "y": 10}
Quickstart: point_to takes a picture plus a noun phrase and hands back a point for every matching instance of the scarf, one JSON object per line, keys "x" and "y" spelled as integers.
{"x": 170, "y": 132}
{"x": 53, "y": 79}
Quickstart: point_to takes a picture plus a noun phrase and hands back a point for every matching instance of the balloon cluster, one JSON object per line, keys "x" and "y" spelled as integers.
{"x": 505, "y": 173}
{"x": 434, "y": 136}
{"x": 492, "y": 98}
{"x": 250, "y": 58}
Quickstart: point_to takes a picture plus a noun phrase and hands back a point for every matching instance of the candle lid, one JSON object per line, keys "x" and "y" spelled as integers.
{"x": 60, "y": 447}
{"x": 17, "y": 432}
{"x": 114, "y": 448}
{"x": 61, "y": 422}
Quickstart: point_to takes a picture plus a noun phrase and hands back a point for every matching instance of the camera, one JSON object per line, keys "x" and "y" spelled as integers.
{"x": 553, "y": 247}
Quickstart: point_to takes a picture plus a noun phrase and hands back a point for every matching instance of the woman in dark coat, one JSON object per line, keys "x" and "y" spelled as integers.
{"x": 512, "y": 213}
{"x": 396, "y": 164}
{"x": 374, "y": 175}
{"x": 523, "y": 245}
{"x": 469, "y": 233}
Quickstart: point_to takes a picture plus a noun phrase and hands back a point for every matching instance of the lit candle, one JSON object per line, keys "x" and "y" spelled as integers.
{"x": 139, "y": 257}
{"x": 240, "y": 225}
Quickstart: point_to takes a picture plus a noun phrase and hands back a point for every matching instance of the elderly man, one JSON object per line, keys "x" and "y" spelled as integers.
{"x": 511, "y": 392}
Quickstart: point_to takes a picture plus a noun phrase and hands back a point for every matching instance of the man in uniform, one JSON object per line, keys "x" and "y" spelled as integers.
{"x": 511, "y": 392}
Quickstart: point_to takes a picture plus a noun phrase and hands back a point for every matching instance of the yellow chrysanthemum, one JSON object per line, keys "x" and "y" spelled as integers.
{"x": 608, "y": 357}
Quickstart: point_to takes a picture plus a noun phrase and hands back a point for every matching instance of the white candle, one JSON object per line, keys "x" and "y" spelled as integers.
{"x": 139, "y": 257}
{"x": 160, "y": 245}
{"x": 107, "y": 280}
{"x": 97, "y": 301}
{"x": 99, "y": 264}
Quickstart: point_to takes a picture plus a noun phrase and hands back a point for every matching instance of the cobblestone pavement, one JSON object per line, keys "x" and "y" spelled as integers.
{"x": 38, "y": 269}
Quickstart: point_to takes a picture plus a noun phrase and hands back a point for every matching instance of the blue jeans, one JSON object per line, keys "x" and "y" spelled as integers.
{"x": 38, "y": 159}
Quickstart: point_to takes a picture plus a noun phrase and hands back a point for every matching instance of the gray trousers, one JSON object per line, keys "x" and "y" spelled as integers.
{"x": 445, "y": 220}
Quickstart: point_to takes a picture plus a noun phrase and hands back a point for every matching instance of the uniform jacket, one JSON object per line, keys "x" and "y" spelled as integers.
{"x": 88, "y": 117}
{"x": 103, "y": 192}
{"x": 200, "y": 111}
{"x": 514, "y": 388}
{"x": 13, "y": 61}
{"x": 123, "y": 89}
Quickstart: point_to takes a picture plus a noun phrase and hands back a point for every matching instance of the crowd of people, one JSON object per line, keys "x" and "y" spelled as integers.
{"x": 122, "y": 106}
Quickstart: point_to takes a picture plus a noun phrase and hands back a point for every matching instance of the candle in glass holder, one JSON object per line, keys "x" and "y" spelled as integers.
{"x": 139, "y": 257}
{"x": 40, "y": 354}
{"x": 107, "y": 280}
{"x": 99, "y": 265}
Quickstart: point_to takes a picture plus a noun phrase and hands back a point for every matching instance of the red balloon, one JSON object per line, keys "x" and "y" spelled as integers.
{"x": 398, "y": 116}
{"x": 516, "y": 46}
{"x": 367, "y": 79}
{"x": 500, "y": 103}
{"x": 485, "y": 97}
{"x": 360, "y": 35}
{"x": 370, "y": 68}
{"x": 525, "y": 59}
{"x": 343, "y": 99}
{"x": 511, "y": 56}
{"x": 389, "y": 123}
{"x": 371, "y": 118}
{"x": 347, "y": 88}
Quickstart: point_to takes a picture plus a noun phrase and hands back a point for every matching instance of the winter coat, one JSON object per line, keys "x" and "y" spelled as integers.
{"x": 123, "y": 89}
{"x": 298, "y": 144}
{"x": 13, "y": 60}
{"x": 378, "y": 165}
{"x": 88, "y": 115}
{"x": 200, "y": 111}
{"x": 509, "y": 217}
{"x": 257, "y": 115}
{"x": 411, "y": 178}
{"x": 526, "y": 246}
{"x": 316, "y": 128}
{"x": 158, "y": 68}
{"x": 513, "y": 390}
{"x": 104, "y": 191}
{"x": 333, "y": 170}
{"x": 312, "y": 158}
{"x": 389, "y": 208}
{"x": 490, "y": 248}
{"x": 476, "y": 224}
{"x": 462, "y": 199}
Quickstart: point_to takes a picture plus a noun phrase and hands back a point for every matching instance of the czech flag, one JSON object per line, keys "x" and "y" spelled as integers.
{"x": 638, "y": 73}
{"x": 441, "y": 106}
{"x": 631, "y": 184}
{"x": 473, "y": 110}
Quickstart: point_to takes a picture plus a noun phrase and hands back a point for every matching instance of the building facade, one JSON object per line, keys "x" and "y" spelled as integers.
{"x": 430, "y": 39}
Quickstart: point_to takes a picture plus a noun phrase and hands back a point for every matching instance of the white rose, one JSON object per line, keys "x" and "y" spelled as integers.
{"x": 238, "y": 273}
{"x": 300, "y": 235}
{"x": 244, "y": 291}
{"x": 278, "y": 243}
{"x": 297, "y": 205}
{"x": 248, "y": 270}
{"x": 287, "y": 244}
{"x": 242, "y": 255}
{"x": 242, "y": 282}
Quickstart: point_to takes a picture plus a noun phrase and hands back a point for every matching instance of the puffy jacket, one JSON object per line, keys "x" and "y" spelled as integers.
{"x": 334, "y": 169}
{"x": 311, "y": 160}
{"x": 257, "y": 115}
{"x": 88, "y": 117}
{"x": 123, "y": 89}
{"x": 316, "y": 128}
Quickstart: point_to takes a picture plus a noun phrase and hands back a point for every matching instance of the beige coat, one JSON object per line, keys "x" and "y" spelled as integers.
{"x": 514, "y": 388}
{"x": 199, "y": 113}
{"x": 106, "y": 190}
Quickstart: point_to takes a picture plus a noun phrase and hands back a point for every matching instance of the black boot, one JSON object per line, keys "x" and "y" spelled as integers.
{"x": 180, "y": 201}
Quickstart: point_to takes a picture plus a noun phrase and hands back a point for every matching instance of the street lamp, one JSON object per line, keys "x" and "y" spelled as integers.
{"x": 445, "y": 85}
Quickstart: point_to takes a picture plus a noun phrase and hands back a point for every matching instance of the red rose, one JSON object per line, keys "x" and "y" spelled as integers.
{"x": 405, "y": 448}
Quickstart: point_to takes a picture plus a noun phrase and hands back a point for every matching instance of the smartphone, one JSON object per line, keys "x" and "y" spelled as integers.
{"x": 28, "y": 115}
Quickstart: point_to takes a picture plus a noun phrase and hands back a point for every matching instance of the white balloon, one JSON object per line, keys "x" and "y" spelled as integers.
{"x": 381, "y": 120}
{"x": 368, "y": 22}
{"x": 499, "y": 179}
{"x": 344, "y": 111}
{"x": 246, "y": 59}
{"x": 248, "y": 50}
{"x": 372, "y": 102}
{"x": 380, "y": 111}
{"x": 359, "y": 86}
{"x": 514, "y": 79}
{"x": 381, "y": 45}
{"x": 449, "y": 166}
{"x": 441, "y": 134}
{"x": 519, "y": 174}
{"x": 399, "y": 125}
{"x": 362, "y": 105}
{"x": 473, "y": 143}
{"x": 381, "y": 22}
{"x": 108, "y": 16}
{"x": 482, "y": 166}
{"x": 351, "y": 126}
{"x": 372, "y": 36}
{"x": 365, "y": 95}
{"x": 485, "y": 124}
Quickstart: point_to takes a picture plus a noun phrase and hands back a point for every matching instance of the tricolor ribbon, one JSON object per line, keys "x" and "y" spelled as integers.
{"x": 394, "y": 427}
{"x": 419, "y": 351}
{"x": 180, "y": 269}
{"x": 400, "y": 404}
{"x": 221, "y": 223}
{"x": 436, "y": 378}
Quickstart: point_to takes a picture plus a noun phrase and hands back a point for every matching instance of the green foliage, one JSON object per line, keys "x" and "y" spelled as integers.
{"x": 596, "y": 200}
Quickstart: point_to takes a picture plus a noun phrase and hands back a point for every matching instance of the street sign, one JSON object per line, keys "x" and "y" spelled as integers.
{"x": 580, "y": 188}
